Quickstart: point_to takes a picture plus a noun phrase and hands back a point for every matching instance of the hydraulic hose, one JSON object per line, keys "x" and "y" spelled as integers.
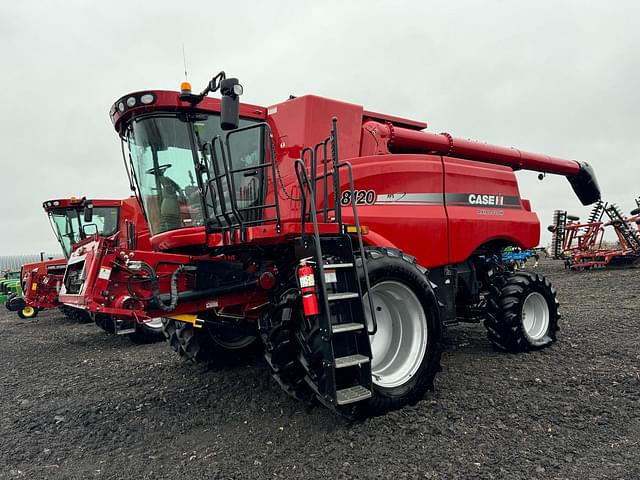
{"x": 155, "y": 289}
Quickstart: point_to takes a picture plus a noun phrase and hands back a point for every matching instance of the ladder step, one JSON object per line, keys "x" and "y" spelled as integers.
{"x": 346, "y": 327}
{"x": 124, "y": 328}
{"x": 352, "y": 395}
{"x": 338, "y": 265}
{"x": 125, "y": 331}
{"x": 351, "y": 360}
{"x": 332, "y": 297}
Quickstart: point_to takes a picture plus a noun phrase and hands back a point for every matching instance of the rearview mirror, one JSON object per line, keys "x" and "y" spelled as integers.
{"x": 88, "y": 213}
{"x": 89, "y": 230}
{"x": 230, "y": 89}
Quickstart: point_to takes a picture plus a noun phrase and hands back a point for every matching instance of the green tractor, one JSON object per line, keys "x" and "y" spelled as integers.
{"x": 9, "y": 285}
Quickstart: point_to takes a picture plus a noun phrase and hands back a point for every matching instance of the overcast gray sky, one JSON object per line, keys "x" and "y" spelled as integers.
{"x": 557, "y": 77}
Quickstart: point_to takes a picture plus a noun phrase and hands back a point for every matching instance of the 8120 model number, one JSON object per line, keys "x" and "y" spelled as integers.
{"x": 362, "y": 197}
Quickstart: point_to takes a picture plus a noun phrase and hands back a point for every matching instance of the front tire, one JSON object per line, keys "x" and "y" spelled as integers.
{"x": 148, "y": 332}
{"x": 522, "y": 312}
{"x": 76, "y": 314}
{"x": 406, "y": 349}
{"x": 202, "y": 345}
{"x": 105, "y": 322}
{"x": 279, "y": 326}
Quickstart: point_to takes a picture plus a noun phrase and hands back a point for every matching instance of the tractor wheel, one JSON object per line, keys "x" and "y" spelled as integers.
{"x": 27, "y": 312}
{"x": 149, "y": 332}
{"x": 278, "y": 329}
{"x": 204, "y": 345}
{"x": 522, "y": 312}
{"x": 406, "y": 349}
{"x": 105, "y": 322}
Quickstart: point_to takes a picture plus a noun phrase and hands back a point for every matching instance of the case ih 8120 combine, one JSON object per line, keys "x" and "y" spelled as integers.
{"x": 344, "y": 239}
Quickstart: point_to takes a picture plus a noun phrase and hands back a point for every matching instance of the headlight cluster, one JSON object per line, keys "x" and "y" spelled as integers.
{"x": 54, "y": 203}
{"x": 131, "y": 101}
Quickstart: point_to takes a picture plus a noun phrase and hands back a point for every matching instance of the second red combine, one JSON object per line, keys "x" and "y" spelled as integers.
{"x": 80, "y": 223}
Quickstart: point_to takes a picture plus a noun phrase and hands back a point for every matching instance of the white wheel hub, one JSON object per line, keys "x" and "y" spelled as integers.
{"x": 154, "y": 323}
{"x": 535, "y": 316}
{"x": 399, "y": 346}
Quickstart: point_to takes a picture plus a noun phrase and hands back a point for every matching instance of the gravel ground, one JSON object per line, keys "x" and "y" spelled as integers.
{"x": 77, "y": 403}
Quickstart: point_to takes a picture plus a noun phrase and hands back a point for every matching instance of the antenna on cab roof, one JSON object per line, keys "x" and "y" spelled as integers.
{"x": 184, "y": 61}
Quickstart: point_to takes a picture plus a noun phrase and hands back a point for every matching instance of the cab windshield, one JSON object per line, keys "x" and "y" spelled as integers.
{"x": 68, "y": 224}
{"x": 164, "y": 151}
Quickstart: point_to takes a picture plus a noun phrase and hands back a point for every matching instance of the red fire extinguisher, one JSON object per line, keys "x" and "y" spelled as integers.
{"x": 307, "y": 281}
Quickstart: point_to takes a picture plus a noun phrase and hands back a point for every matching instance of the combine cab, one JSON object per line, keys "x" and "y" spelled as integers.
{"x": 343, "y": 240}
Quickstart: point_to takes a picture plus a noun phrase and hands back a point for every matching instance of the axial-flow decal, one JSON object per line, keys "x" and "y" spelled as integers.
{"x": 454, "y": 199}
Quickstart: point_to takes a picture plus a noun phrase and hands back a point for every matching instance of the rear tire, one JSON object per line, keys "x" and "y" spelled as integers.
{"x": 28, "y": 312}
{"x": 522, "y": 312}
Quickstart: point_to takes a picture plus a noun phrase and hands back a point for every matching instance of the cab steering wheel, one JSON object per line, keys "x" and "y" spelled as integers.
{"x": 160, "y": 169}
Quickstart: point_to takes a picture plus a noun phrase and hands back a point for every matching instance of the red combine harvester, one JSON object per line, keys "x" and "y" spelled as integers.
{"x": 40, "y": 285}
{"x": 41, "y": 281}
{"x": 81, "y": 222}
{"x": 256, "y": 232}
{"x": 580, "y": 245}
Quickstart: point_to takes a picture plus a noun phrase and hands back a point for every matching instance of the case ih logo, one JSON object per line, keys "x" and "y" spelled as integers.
{"x": 493, "y": 200}
{"x": 482, "y": 200}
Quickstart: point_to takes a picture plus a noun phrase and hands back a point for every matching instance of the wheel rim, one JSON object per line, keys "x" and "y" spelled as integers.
{"x": 154, "y": 323}
{"x": 232, "y": 342}
{"x": 535, "y": 316}
{"x": 400, "y": 344}
{"x": 28, "y": 311}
